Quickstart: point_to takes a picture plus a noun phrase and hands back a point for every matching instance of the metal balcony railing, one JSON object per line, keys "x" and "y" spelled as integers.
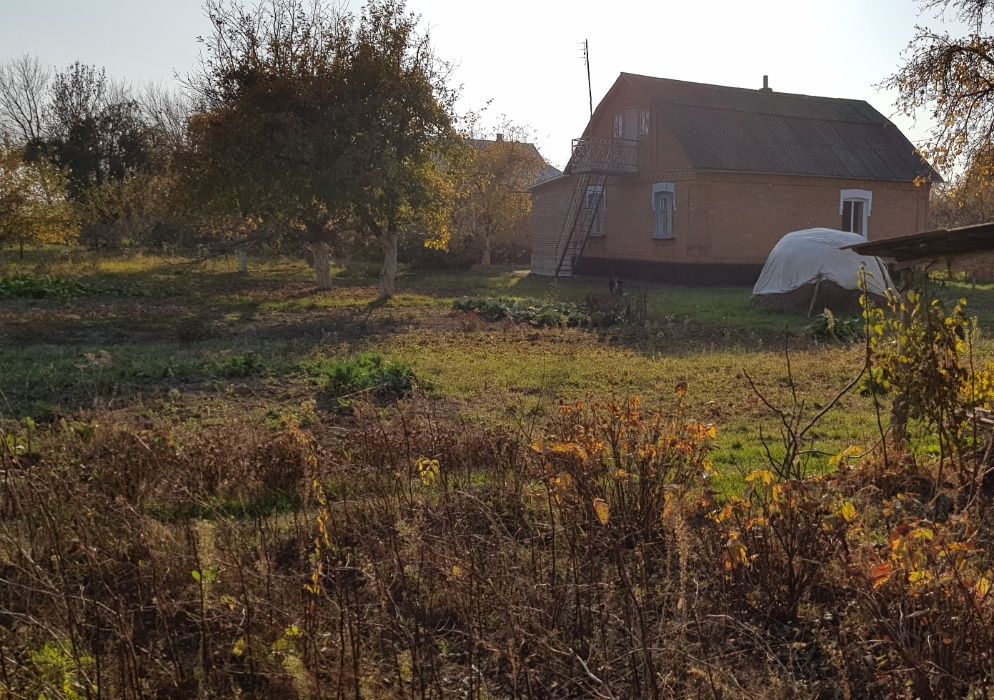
{"x": 606, "y": 156}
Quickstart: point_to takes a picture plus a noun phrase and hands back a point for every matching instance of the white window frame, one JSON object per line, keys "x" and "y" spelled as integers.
{"x": 598, "y": 228}
{"x": 865, "y": 197}
{"x": 667, "y": 228}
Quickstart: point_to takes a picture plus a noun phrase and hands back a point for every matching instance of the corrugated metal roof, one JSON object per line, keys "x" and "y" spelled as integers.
{"x": 932, "y": 246}
{"x": 738, "y": 129}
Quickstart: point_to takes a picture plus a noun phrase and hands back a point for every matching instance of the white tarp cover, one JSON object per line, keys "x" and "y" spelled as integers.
{"x": 804, "y": 257}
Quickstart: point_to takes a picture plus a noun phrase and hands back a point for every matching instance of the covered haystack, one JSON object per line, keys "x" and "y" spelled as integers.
{"x": 812, "y": 270}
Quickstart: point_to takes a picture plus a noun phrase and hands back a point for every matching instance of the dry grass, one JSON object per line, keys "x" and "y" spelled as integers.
{"x": 181, "y": 518}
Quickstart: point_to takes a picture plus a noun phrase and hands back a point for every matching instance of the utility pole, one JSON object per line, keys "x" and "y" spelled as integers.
{"x": 586, "y": 59}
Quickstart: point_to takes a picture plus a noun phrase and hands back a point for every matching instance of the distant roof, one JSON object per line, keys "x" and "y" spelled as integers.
{"x": 933, "y": 246}
{"x": 548, "y": 172}
{"x": 746, "y": 130}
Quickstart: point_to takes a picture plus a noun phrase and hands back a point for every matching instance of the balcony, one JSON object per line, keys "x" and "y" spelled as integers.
{"x": 605, "y": 156}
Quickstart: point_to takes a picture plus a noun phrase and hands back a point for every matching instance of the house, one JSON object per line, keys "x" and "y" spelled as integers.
{"x": 547, "y": 171}
{"x": 691, "y": 183}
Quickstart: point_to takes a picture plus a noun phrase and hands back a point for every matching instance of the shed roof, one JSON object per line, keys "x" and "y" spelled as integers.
{"x": 932, "y": 246}
{"x": 745, "y": 130}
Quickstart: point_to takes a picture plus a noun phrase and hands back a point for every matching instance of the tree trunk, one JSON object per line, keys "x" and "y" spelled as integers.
{"x": 322, "y": 265}
{"x": 20, "y": 249}
{"x": 243, "y": 261}
{"x": 488, "y": 242}
{"x": 388, "y": 274}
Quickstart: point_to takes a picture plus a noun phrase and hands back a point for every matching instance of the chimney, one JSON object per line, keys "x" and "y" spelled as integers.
{"x": 500, "y": 138}
{"x": 766, "y": 84}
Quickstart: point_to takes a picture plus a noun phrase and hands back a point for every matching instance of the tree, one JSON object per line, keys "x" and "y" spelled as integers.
{"x": 496, "y": 202}
{"x": 95, "y": 131}
{"x": 954, "y": 78}
{"x": 965, "y": 200}
{"x": 401, "y": 128}
{"x": 267, "y": 138}
{"x": 33, "y": 203}
{"x": 323, "y": 124}
{"x": 23, "y": 89}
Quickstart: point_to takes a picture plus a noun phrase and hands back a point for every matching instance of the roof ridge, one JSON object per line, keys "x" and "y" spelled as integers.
{"x": 748, "y": 90}
{"x": 885, "y": 123}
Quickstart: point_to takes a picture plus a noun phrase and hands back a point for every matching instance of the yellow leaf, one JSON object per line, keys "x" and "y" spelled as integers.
{"x": 764, "y": 476}
{"x": 537, "y": 446}
{"x": 428, "y": 470}
{"x": 457, "y": 571}
{"x": 737, "y": 555}
{"x": 850, "y": 451}
{"x": 240, "y": 647}
{"x": 603, "y": 510}
{"x": 923, "y": 533}
{"x": 848, "y": 511}
{"x": 982, "y": 587}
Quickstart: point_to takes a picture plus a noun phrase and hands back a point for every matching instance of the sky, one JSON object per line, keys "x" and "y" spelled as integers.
{"x": 521, "y": 59}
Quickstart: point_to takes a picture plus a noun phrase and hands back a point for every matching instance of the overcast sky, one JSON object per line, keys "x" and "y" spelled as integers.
{"x": 522, "y": 58}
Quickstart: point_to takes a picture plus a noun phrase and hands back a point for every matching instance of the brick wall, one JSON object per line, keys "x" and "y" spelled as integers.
{"x": 738, "y": 218}
{"x": 550, "y": 202}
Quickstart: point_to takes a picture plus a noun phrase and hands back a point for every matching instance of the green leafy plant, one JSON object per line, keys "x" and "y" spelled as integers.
{"x": 540, "y": 315}
{"x": 921, "y": 355}
{"x": 828, "y": 326}
{"x": 43, "y": 287}
{"x": 369, "y": 373}
{"x": 250, "y": 364}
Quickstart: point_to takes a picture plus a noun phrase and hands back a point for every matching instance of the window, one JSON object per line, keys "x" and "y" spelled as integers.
{"x": 619, "y": 125}
{"x": 594, "y": 208}
{"x": 643, "y": 122}
{"x": 854, "y": 207}
{"x": 663, "y": 206}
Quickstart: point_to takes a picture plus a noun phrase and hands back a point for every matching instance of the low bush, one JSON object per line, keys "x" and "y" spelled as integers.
{"x": 249, "y": 364}
{"x": 828, "y": 326}
{"x": 370, "y": 374}
{"x": 41, "y": 287}
{"x": 559, "y": 314}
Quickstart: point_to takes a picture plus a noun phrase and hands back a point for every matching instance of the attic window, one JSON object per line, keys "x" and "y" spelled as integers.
{"x": 643, "y": 122}
{"x": 854, "y": 207}
{"x": 619, "y": 125}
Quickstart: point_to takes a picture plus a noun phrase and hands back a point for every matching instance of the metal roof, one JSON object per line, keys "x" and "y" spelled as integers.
{"x": 738, "y": 129}
{"x": 932, "y": 246}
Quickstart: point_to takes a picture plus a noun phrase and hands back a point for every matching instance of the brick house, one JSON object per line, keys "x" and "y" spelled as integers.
{"x": 694, "y": 184}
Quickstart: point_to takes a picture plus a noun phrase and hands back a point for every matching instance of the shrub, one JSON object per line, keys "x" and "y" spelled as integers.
{"x": 43, "y": 287}
{"x": 250, "y": 364}
{"x": 369, "y": 373}
{"x": 558, "y": 314}
{"x": 828, "y": 326}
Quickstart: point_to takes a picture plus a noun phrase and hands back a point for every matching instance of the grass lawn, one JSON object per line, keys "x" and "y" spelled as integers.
{"x": 166, "y": 339}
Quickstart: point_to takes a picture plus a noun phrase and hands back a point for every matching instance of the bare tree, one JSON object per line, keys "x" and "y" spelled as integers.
{"x": 165, "y": 110}
{"x": 952, "y": 77}
{"x": 23, "y": 91}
